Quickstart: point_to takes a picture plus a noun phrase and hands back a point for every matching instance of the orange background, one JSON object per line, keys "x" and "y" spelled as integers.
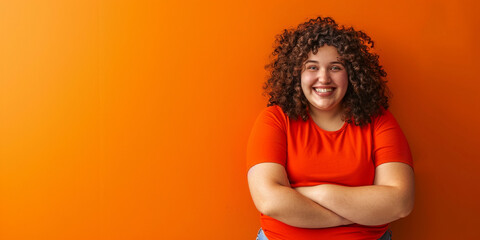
{"x": 129, "y": 120}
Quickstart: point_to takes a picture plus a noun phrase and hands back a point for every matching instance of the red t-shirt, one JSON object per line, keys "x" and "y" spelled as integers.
{"x": 313, "y": 156}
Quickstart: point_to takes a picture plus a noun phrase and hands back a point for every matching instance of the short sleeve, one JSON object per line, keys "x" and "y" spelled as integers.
{"x": 267, "y": 141}
{"x": 390, "y": 144}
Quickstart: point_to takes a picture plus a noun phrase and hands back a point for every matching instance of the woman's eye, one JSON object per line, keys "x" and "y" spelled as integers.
{"x": 312, "y": 67}
{"x": 336, "y": 68}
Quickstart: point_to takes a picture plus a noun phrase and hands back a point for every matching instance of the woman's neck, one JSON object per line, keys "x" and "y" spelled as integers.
{"x": 328, "y": 120}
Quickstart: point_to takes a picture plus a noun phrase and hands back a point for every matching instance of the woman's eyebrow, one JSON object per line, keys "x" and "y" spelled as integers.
{"x": 341, "y": 63}
{"x": 314, "y": 61}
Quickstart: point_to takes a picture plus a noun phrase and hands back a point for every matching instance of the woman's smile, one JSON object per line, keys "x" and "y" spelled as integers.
{"x": 324, "y": 91}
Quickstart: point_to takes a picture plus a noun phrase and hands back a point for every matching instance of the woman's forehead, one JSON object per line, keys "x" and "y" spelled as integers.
{"x": 324, "y": 53}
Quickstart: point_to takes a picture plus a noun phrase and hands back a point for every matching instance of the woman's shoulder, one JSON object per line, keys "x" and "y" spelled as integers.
{"x": 273, "y": 114}
{"x": 384, "y": 120}
{"x": 274, "y": 110}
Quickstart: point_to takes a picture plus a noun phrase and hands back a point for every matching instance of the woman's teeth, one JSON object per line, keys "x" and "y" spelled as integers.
{"x": 322, "y": 90}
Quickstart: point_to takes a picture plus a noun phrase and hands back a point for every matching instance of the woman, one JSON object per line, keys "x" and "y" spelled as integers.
{"x": 326, "y": 159}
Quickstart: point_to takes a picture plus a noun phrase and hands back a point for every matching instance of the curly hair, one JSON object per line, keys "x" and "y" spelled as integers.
{"x": 367, "y": 93}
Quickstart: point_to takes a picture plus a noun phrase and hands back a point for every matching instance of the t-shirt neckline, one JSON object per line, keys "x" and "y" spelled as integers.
{"x": 310, "y": 119}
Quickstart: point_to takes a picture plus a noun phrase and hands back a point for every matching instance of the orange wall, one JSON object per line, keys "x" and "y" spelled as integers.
{"x": 129, "y": 120}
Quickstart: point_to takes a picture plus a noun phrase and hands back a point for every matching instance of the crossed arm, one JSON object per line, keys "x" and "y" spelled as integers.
{"x": 390, "y": 198}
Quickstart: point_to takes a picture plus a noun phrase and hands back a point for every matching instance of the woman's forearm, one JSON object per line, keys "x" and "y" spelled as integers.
{"x": 389, "y": 198}
{"x": 292, "y": 208}
{"x": 273, "y": 196}
{"x": 366, "y": 205}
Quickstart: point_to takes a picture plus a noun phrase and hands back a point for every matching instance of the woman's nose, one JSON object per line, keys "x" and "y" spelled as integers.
{"x": 323, "y": 76}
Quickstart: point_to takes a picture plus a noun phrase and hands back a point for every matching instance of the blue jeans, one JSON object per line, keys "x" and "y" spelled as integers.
{"x": 261, "y": 235}
{"x": 386, "y": 236}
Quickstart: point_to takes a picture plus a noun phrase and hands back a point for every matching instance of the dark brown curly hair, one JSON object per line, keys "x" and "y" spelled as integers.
{"x": 367, "y": 93}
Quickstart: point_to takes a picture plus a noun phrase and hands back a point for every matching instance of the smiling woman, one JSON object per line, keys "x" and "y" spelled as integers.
{"x": 326, "y": 159}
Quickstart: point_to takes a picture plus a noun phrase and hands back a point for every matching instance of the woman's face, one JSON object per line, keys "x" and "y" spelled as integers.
{"x": 324, "y": 80}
